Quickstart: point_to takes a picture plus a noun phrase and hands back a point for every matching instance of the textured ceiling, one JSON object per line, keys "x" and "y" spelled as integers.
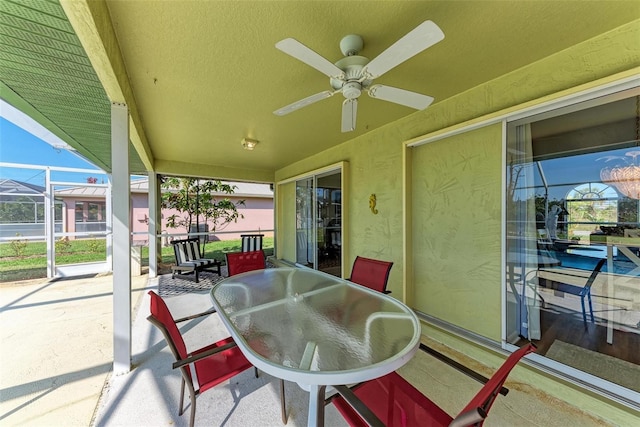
{"x": 205, "y": 74}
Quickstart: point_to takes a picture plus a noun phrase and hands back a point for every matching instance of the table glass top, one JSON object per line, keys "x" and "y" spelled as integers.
{"x": 309, "y": 321}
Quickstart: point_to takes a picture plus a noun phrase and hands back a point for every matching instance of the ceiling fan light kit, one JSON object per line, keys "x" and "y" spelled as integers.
{"x": 354, "y": 74}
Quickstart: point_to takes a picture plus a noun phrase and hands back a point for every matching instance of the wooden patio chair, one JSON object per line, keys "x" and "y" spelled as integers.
{"x": 251, "y": 242}
{"x": 188, "y": 259}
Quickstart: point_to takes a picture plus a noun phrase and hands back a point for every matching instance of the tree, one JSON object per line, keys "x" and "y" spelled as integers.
{"x": 194, "y": 200}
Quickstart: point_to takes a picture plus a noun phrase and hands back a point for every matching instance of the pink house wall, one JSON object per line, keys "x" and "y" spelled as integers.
{"x": 257, "y": 212}
{"x": 69, "y": 212}
{"x": 69, "y": 220}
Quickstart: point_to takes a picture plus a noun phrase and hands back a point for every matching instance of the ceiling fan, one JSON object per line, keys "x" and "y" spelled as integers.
{"x": 354, "y": 74}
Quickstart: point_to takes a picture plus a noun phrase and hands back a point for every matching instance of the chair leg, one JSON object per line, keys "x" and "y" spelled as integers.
{"x": 590, "y": 306}
{"x": 192, "y": 397}
{"x": 584, "y": 313}
{"x": 181, "y": 398}
{"x": 283, "y": 403}
{"x": 193, "y": 408}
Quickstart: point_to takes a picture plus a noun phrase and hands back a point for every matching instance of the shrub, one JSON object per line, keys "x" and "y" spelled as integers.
{"x": 18, "y": 246}
{"x": 63, "y": 246}
{"x": 95, "y": 245}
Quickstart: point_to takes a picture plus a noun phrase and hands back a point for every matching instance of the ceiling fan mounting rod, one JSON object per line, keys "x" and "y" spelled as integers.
{"x": 351, "y": 45}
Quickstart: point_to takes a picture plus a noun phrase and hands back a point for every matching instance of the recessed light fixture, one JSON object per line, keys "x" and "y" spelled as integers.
{"x": 249, "y": 144}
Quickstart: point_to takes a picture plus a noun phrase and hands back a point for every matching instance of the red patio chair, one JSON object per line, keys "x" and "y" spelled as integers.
{"x": 371, "y": 273}
{"x": 395, "y": 402}
{"x": 241, "y": 262}
{"x": 212, "y": 364}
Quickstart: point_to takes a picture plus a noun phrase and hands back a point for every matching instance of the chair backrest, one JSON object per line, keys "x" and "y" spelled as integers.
{"x": 186, "y": 250}
{"x": 594, "y": 273}
{"x": 241, "y": 262}
{"x": 193, "y": 248}
{"x": 251, "y": 242}
{"x": 180, "y": 251}
{"x": 371, "y": 273}
{"x": 487, "y": 394}
{"x": 161, "y": 317}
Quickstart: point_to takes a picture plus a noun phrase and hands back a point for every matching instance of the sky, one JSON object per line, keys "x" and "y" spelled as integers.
{"x": 24, "y": 141}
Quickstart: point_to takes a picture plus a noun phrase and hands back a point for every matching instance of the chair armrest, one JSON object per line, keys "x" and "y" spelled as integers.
{"x": 194, "y": 358}
{"x": 362, "y": 410}
{"x": 468, "y": 418}
{"x": 465, "y": 370}
{"x": 195, "y": 316}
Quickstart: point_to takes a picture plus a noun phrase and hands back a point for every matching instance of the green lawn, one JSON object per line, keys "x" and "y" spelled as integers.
{"x": 29, "y": 261}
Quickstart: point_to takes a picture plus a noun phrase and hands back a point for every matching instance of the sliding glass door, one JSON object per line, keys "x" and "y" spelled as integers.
{"x": 305, "y": 241}
{"x": 319, "y": 222}
{"x": 572, "y": 237}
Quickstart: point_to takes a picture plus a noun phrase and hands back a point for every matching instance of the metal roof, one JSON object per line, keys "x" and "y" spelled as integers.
{"x": 46, "y": 74}
{"x": 244, "y": 189}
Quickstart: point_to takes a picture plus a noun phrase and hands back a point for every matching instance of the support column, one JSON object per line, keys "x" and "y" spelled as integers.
{"x": 49, "y": 224}
{"x": 155, "y": 227}
{"x": 121, "y": 207}
{"x": 109, "y": 223}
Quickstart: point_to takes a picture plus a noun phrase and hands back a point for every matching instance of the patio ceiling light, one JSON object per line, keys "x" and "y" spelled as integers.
{"x": 249, "y": 144}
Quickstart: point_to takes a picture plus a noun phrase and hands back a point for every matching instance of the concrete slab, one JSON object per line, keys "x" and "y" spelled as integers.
{"x": 56, "y": 359}
{"x": 57, "y": 349}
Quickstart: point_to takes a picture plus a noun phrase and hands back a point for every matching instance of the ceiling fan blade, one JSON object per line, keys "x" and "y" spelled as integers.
{"x": 423, "y": 36}
{"x": 400, "y": 96}
{"x": 301, "y": 52}
{"x": 303, "y": 102}
{"x": 349, "y": 112}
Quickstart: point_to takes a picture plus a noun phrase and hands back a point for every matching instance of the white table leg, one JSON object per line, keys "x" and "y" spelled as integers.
{"x": 316, "y": 406}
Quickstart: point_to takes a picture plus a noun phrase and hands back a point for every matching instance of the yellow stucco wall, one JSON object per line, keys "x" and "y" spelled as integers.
{"x": 455, "y": 189}
{"x": 457, "y": 230}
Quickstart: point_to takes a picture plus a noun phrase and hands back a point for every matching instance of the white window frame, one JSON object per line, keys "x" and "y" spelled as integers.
{"x": 600, "y": 95}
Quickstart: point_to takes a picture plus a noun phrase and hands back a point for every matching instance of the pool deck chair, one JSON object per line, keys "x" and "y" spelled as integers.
{"x": 583, "y": 291}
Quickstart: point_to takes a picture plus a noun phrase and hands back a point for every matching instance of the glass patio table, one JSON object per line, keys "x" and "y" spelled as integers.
{"x": 315, "y": 329}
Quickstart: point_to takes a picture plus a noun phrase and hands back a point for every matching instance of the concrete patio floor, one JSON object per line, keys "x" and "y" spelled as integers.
{"x": 56, "y": 358}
